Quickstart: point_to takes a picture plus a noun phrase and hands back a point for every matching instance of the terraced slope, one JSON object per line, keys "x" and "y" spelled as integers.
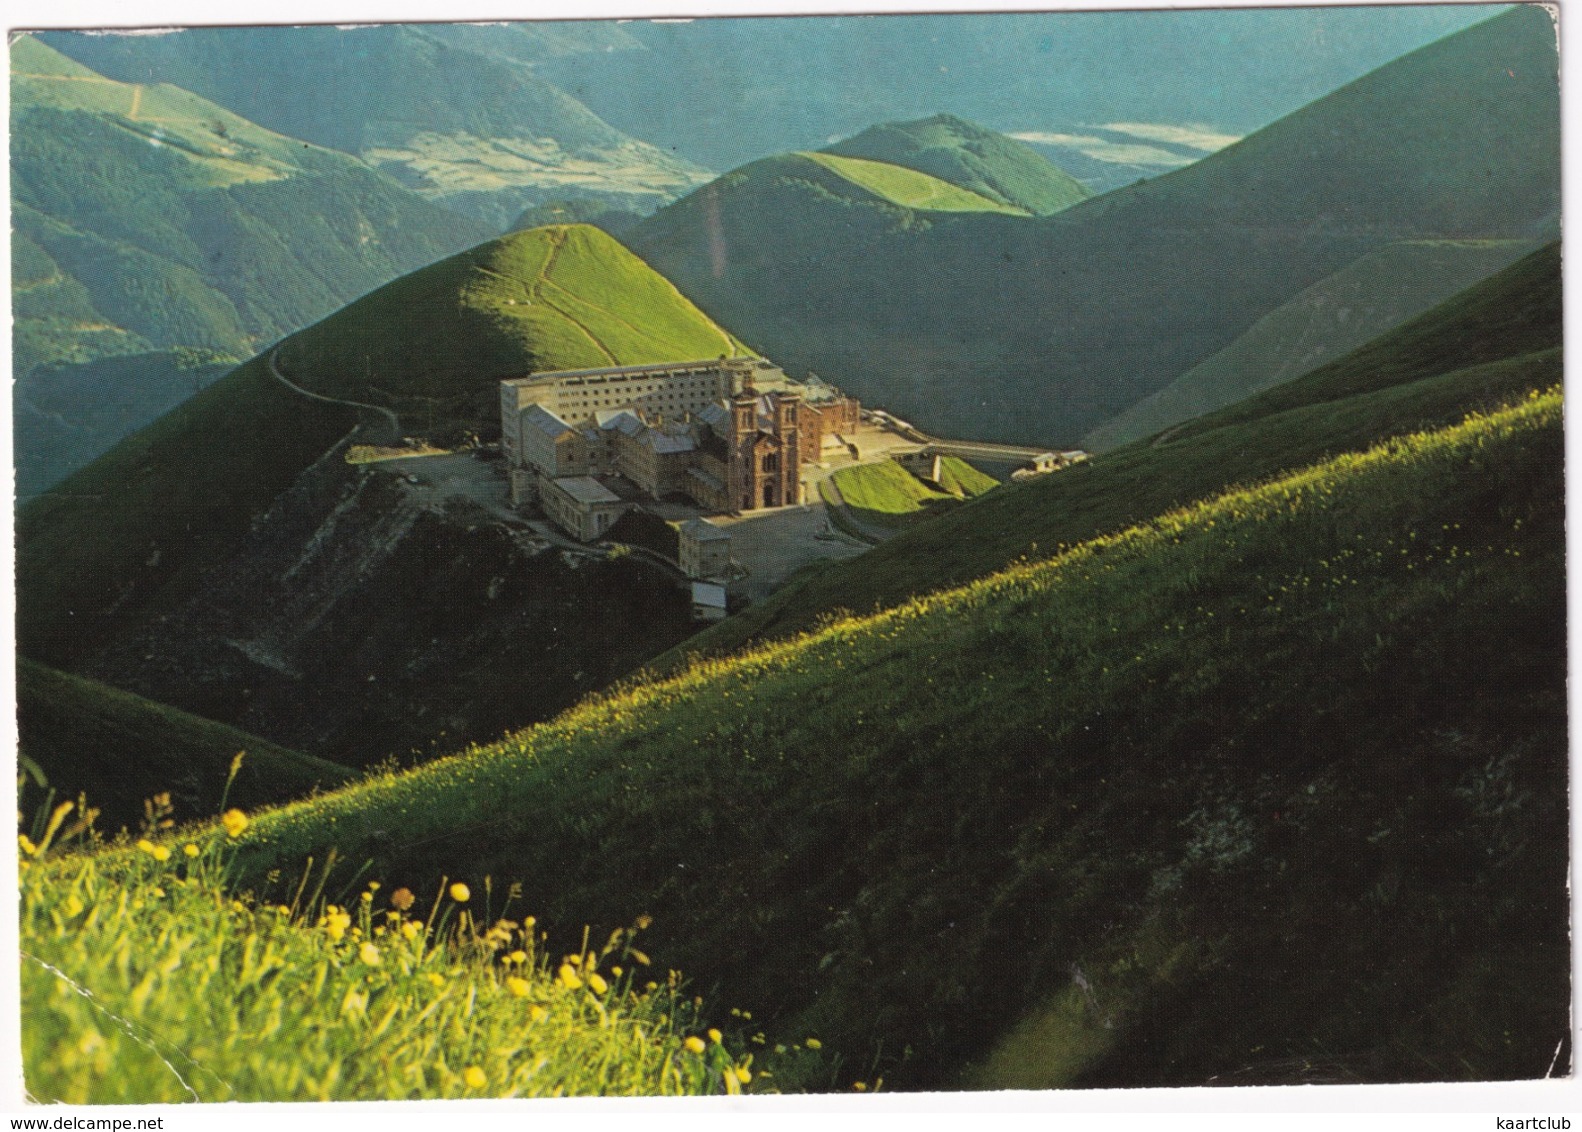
{"x": 135, "y": 527}
{"x": 1249, "y": 735}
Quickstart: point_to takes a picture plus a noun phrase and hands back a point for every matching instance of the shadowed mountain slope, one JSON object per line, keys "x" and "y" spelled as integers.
{"x": 1039, "y": 329}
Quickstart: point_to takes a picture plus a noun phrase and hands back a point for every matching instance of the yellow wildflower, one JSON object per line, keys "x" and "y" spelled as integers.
{"x": 474, "y": 1077}
{"x": 518, "y": 986}
{"x": 695, "y": 1044}
{"x": 411, "y": 929}
{"x": 160, "y": 853}
{"x": 27, "y": 845}
{"x": 145, "y": 845}
{"x": 568, "y": 977}
{"x": 518, "y": 957}
{"x": 716, "y": 1037}
{"x": 814, "y": 1043}
{"x": 235, "y": 822}
{"x": 596, "y": 981}
{"x": 436, "y": 978}
{"x": 460, "y": 893}
{"x": 369, "y": 954}
{"x": 537, "y": 1013}
{"x": 402, "y": 899}
{"x": 158, "y": 891}
{"x": 190, "y": 849}
{"x": 336, "y": 922}
{"x": 743, "y": 1074}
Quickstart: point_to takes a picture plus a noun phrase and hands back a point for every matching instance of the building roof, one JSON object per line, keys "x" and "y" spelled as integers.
{"x": 704, "y": 531}
{"x": 620, "y": 371}
{"x": 546, "y": 422}
{"x": 669, "y": 443}
{"x": 621, "y": 420}
{"x": 716, "y": 415}
{"x": 586, "y": 489}
{"x": 708, "y": 594}
{"x": 707, "y": 480}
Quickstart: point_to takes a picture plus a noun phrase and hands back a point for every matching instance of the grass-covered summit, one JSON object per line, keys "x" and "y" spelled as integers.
{"x": 972, "y": 157}
{"x": 136, "y": 526}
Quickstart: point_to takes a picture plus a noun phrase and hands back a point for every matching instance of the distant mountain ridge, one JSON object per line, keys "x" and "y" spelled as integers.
{"x": 1038, "y": 330}
{"x": 971, "y": 156}
{"x": 455, "y": 113}
{"x": 148, "y": 220}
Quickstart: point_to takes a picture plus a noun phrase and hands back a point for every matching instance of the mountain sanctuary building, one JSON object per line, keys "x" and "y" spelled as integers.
{"x": 731, "y": 435}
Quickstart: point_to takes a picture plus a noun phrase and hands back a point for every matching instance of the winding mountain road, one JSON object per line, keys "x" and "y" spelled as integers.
{"x": 389, "y": 414}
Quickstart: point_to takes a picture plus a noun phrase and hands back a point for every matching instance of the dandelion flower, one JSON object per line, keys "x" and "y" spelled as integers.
{"x": 369, "y": 954}
{"x": 336, "y": 922}
{"x": 517, "y": 957}
{"x": 537, "y": 1013}
{"x": 411, "y": 930}
{"x": 716, "y": 1037}
{"x": 145, "y": 845}
{"x": 695, "y": 1044}
{"x": 568, "y": 977}
{"x": 474, "y": 1077}
{"x": 190, "y": 849}
{"x": 743, "y": 1074}
{"x": 814, "y": 1043}
{"x": 402, "y": 899}
{"x": 518, "y": 986}
{"x": 160, "y": 853}
{"x": 235, "y": 823}
{"x": 436, "y": 978}
{"x": 596, "y": 981}
{"x": 460, "y": 893}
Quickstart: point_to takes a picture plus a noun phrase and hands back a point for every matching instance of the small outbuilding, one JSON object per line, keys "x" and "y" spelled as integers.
{"x": 704, "y": 549}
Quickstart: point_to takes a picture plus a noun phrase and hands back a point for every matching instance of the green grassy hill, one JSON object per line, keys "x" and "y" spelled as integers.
{"x": 1489, "y": 343}
{"x": 971, "y": 156}
{"x": 120, "y": 749}
{"x": 1313, "y": 729}
{"x": 888, "y": 495}
{"x": 909, "y": 188}
{"x": 135, "y": 528}
{"x": 148, "y": 220}
{"x": 1328, "y": 320}
{"x": 1040, "y": 329}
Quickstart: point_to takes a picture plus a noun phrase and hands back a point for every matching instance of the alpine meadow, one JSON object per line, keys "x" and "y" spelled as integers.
{"x": 836, "y": 554}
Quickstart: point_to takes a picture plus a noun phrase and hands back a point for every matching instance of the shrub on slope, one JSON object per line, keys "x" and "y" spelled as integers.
{"x": 1317, "y": 724}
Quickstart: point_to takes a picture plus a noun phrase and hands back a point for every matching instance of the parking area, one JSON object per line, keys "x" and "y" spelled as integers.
{"x": 772, "y": 545}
